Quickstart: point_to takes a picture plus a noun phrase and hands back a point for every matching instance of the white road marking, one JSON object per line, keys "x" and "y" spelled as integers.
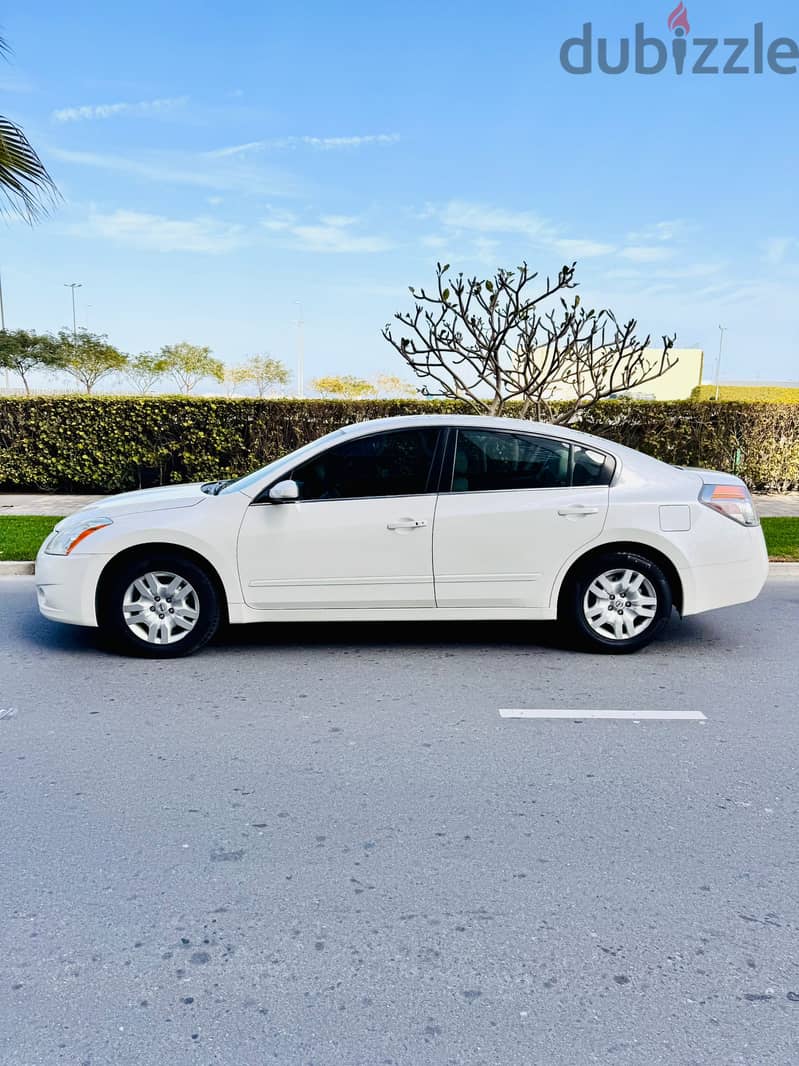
{"x": 635, "y": 716}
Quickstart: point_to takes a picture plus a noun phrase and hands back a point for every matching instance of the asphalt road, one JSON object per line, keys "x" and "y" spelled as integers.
{"x": 322, "y": 845}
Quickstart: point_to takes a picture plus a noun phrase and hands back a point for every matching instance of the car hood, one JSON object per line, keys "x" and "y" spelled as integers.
{"x": 160, "y": 499}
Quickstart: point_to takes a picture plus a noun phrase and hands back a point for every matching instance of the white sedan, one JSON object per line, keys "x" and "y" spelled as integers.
{"x": 419, "y": 517}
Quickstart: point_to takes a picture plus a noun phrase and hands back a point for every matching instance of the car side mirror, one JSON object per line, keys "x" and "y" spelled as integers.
{"x": 284, "y": 492}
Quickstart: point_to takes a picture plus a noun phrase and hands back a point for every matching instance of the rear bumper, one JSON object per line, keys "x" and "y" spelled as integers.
{"x": 706, "y": 588}
{"x": 66, "y": 585}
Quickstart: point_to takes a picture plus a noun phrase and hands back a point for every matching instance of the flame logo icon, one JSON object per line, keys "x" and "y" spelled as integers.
{"x": 678, "y": 20}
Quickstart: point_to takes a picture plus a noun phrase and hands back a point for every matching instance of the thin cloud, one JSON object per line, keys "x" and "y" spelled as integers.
{"x": 481, "y": 218}
{"x": 10, "y": 83}
{"x": 155, "y": 233}
{"x": 332, "y": 233}
{"x": 167, "y": 168}
{"x": 667, "y": 230}
{"x": 350, "y": 142}
{"x": 581, "y": 249}
{"x": 461, "y": 216}
{"x": 334, "y": 239}
{"x": 776, "y": 249}
{"x": 640, "y": 253}
{"x": 140, "y": 109}
{"x": 320, "y": 143}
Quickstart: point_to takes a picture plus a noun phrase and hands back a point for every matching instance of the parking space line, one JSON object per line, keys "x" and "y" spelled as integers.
{"x": 636, "y": 716}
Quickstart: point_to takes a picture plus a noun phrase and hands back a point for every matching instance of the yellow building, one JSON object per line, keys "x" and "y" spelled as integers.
{"x": 675, "y": 384}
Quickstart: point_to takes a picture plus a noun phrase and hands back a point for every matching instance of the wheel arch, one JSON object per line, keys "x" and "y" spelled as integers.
{"x": 143, "y": 551}
{"x": 635, "y": 548}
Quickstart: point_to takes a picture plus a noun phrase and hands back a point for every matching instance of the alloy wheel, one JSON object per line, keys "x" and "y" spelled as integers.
{"x": 620, "y": 604}
{"x": 160, "y": 607}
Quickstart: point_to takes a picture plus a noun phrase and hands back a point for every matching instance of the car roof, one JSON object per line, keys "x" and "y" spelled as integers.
{"x": 548, "y": 429}
{"x": 517, "y": 425}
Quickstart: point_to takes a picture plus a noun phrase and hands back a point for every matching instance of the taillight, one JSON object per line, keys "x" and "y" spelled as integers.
{"x": 733, "y": 501}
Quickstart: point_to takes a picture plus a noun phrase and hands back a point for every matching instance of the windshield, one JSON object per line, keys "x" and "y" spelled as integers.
{"x": 247, "y": 481}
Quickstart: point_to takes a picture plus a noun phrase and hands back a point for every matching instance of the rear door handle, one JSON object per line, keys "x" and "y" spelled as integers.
{"x": 579, "y": 510}
{"x": 407, "y": 523}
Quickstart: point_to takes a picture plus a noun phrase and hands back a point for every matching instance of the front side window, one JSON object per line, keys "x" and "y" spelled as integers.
{"x": 387, "y": 464}
{"x": 488, "y": 461}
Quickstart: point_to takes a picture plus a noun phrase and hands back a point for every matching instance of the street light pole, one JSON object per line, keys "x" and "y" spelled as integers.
{"x": 3, "y": 323}
{"x": 300, "y": 354}
{"x": 722, "y": 331}
{"x": 74, "y": 285}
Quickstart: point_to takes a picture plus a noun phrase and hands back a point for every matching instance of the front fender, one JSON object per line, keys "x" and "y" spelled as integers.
{"x": 208, "y": 532}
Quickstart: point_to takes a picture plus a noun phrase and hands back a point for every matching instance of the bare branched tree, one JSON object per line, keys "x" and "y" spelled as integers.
{"x": 499, "y": 340}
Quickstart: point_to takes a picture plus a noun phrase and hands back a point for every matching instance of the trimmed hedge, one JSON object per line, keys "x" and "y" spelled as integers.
{"x": 747, "y": 393}
{"x": 109, "y": 444}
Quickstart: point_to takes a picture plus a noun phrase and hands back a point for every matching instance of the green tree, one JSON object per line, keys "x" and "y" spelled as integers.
{"x": 189, "y": 364}
{"x": 345, "y": 387}
{"x": 22, "y": 351}
{"x": 236, "y": 376}
{"x": 25, "y": 185}
{"x": 391, "y": 385}
{"x": 143, "y": 370}
{"x": 88, "y": 357}
{"x": 265, "y": 373}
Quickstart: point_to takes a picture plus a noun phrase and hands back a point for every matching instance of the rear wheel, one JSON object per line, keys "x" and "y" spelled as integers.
{"x": 159, "y": 607}
{"x": 618, "y": 602}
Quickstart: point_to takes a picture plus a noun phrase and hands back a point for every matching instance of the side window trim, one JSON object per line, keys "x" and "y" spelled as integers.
{"x": 447, "y": 474}
{"x": 437, "y": 463}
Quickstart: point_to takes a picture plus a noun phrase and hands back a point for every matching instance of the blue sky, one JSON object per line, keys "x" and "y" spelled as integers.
{"x": 218, "y": 165}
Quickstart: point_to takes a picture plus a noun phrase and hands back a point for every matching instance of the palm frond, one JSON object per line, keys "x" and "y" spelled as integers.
{"x": 25, "y": 185}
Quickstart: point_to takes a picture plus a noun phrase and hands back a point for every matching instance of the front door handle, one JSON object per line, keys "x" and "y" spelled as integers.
{"x": 407, "y": 523}
{"x": 579, "y": 510}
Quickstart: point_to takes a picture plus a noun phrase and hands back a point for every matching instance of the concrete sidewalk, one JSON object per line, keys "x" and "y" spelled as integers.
{"x": 43, "y": 503}
{"x": 769, "y": 505}
{"x": 777, "y": 505}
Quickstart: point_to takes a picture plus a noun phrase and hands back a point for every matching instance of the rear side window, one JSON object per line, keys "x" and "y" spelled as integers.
{"x": 591, "y": 467}
{"x": 494, "y": 461}
{"x": 487, "y": 461}
{"x": 386, "y": 464}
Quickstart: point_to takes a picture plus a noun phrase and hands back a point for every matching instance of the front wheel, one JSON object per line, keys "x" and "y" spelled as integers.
{"x": 618, "y": 602}
{"x": 159, "y": 607}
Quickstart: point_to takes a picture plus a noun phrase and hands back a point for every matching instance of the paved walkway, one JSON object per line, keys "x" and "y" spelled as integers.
{"x": 769, "y": 505}
{"x": 43, "y": 503}
{"x": 777, "y": 505}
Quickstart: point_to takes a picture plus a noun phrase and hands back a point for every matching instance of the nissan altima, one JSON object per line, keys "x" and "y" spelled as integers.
{"x": 416, "y": 518}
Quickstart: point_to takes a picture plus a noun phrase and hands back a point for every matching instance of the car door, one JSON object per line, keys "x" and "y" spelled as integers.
{"x": 360, "y": 534}
{"x": 518, "y": 506}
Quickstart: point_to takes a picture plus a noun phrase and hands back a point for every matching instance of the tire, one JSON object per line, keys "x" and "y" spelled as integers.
{"x": 592, "y": 595}
{"x": 136, "y": 615}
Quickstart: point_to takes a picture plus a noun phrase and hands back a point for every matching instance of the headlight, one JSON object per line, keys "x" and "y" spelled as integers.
{"x": 62, "y": 542}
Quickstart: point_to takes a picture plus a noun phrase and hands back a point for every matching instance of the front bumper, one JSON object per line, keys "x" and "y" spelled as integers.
{"x": 66, "y": 586}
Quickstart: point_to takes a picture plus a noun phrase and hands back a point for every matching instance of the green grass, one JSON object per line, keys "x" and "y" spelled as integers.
{"x": 782, "y": 537}
{"x": 21, "y": 535}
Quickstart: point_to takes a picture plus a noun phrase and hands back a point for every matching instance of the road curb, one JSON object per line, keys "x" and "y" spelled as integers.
{"x": 783, "y": 569}
{"x": 15, "y": 569}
